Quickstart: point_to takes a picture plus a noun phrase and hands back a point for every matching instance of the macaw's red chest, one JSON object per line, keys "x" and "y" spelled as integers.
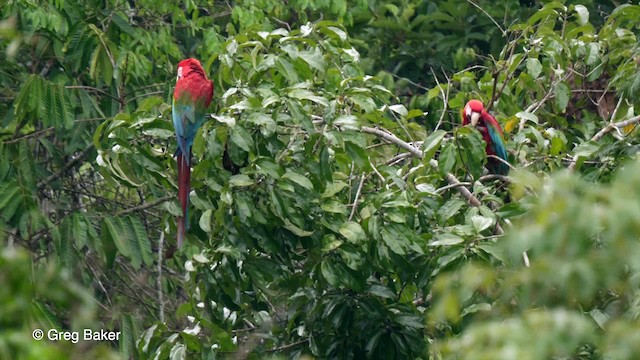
{"x": 194, "y": 89}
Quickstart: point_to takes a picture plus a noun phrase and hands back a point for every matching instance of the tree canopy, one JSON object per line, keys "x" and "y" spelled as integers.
{"x": 339, "y": 209}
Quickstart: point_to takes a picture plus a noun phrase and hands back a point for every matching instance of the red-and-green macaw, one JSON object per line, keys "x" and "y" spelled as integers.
{"x": 191, "y": 98}
{"x": 475, "y": 114}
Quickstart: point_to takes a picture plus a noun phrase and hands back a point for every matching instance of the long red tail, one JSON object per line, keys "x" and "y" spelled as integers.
{"x": 184, "y": 187}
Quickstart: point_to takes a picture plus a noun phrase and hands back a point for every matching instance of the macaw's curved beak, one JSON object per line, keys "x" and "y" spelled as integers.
{"x": 475, "y": 116}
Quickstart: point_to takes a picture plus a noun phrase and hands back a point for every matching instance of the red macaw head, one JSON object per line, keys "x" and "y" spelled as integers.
{"x": 472, "y": 112}
{"x": 188, "y": 67}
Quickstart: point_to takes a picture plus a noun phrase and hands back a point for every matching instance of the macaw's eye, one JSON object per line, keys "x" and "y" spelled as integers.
{"x": 179, "y": 72}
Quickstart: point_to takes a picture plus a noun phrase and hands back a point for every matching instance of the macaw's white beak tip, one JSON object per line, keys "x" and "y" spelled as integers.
{"x": 475, "y": 116}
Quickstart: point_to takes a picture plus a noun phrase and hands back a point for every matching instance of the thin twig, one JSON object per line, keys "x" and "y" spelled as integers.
{"x": 355, "y": 201}
{"x": 445, "y": 97}
{"x": 159, "y": 276}
{"x": 28, "y": 136}
{"x": 91, "y": 88}
{"x": 504, "y": 33}
{"x": 143, "y": 206}
{"x": 288, "y": 346}
{"x": 68, "y": 166}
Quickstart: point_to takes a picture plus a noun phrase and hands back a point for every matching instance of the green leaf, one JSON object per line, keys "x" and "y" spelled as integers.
{"x": 481, "y": 223}
{"x": 328, "y": 272}
{"x": 446, "y": 239}
{"x": 296, "y": 230}
{"x": 205, "y": 220}
{"x": 413, "y": 113}
{"x": 265, "y": 122}
{"x": 287, "y": 69}
{"x": 241, "y": 137}
{"x": 562, "y": 95}
{"x": 534, "y": 67}
{"x": 394, "y": 240}
{"x": 118, "y": 234}
{"x": 298, "y": 179}
{"x": 304, "y": 94}
{"x": 475, "y": 308}
{"x": 178, "y": 352}
{"x": 126, "y": 341}
{"x": 353, "y": 232}
{"x": 240, "y": 180}
{"x": 334, "y": 188}
{"x": 450, "y": 208}
{"x": 527, "y": 116}
{"x": 381, "y": 291}
{"x": 347, "y": 122}
{"x": 139, "y": 243}
{"x": 471, "y": 149}
{"x": 583, "y": 14}
{"x": 399, "y": 109}
{"x": 447, "y": 159}
{"x": 314, "y": 58}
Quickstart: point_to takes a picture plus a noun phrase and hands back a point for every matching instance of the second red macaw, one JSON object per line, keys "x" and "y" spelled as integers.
{"x": 475, "y": 114}
{"x": 191, "y": 98}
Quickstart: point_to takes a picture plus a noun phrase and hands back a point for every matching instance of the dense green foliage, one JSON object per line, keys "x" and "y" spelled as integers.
{"x": 338, "y": 211}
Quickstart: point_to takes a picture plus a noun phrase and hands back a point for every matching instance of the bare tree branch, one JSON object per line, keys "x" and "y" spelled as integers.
{"x": 143, "y": 206}
{"x": 394, "y": 139}
{"x": 68, "y": 166}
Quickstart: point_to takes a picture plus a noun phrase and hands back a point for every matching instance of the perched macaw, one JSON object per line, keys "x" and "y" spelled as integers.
{"x": 191, "y": 98}
{"x": 475, "y": 114}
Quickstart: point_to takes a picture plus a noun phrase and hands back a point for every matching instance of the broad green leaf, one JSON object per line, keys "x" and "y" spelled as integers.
{"x": 205, "y": 220}
{"x": 303, "y": 94}
{"x": 353, "y": 232}
{"x": 381, "y": 291}
{"x": 582, "y": 13}
{"x": 298, "y": 179}
{"x": 117, "y": 232}
{"x": 240, "y": 180}
{"x": 447, "y": 158}
{"x": 296, "y": 230}
{"x": 328, "y": 272}
{"x": 446, "y": 239}
{"x": 527, "y": 116}
{"x": 399, "y": 109}
{"x": 241, "y": 137}
{"x": 480, "y": 223}
{"x": 562, "y": 95}
{"x": 139, "y": 242}
{"x": 394, "y": 240}
{"x": 334, "y": 188}
{"x": 534, "y": 67}
{"x": 314, "y": 58}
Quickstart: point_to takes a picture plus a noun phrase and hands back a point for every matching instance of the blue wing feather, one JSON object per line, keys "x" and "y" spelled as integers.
{"x": 499, "y": 148}
{"x": 183, "y": 122}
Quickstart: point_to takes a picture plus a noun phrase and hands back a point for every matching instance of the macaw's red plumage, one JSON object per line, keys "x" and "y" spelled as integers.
{"x": 191, "y": 98}
{"x": 475, "y": 114}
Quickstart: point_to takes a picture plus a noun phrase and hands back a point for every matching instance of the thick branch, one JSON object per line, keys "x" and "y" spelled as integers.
{"x": 394, "y": 139}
